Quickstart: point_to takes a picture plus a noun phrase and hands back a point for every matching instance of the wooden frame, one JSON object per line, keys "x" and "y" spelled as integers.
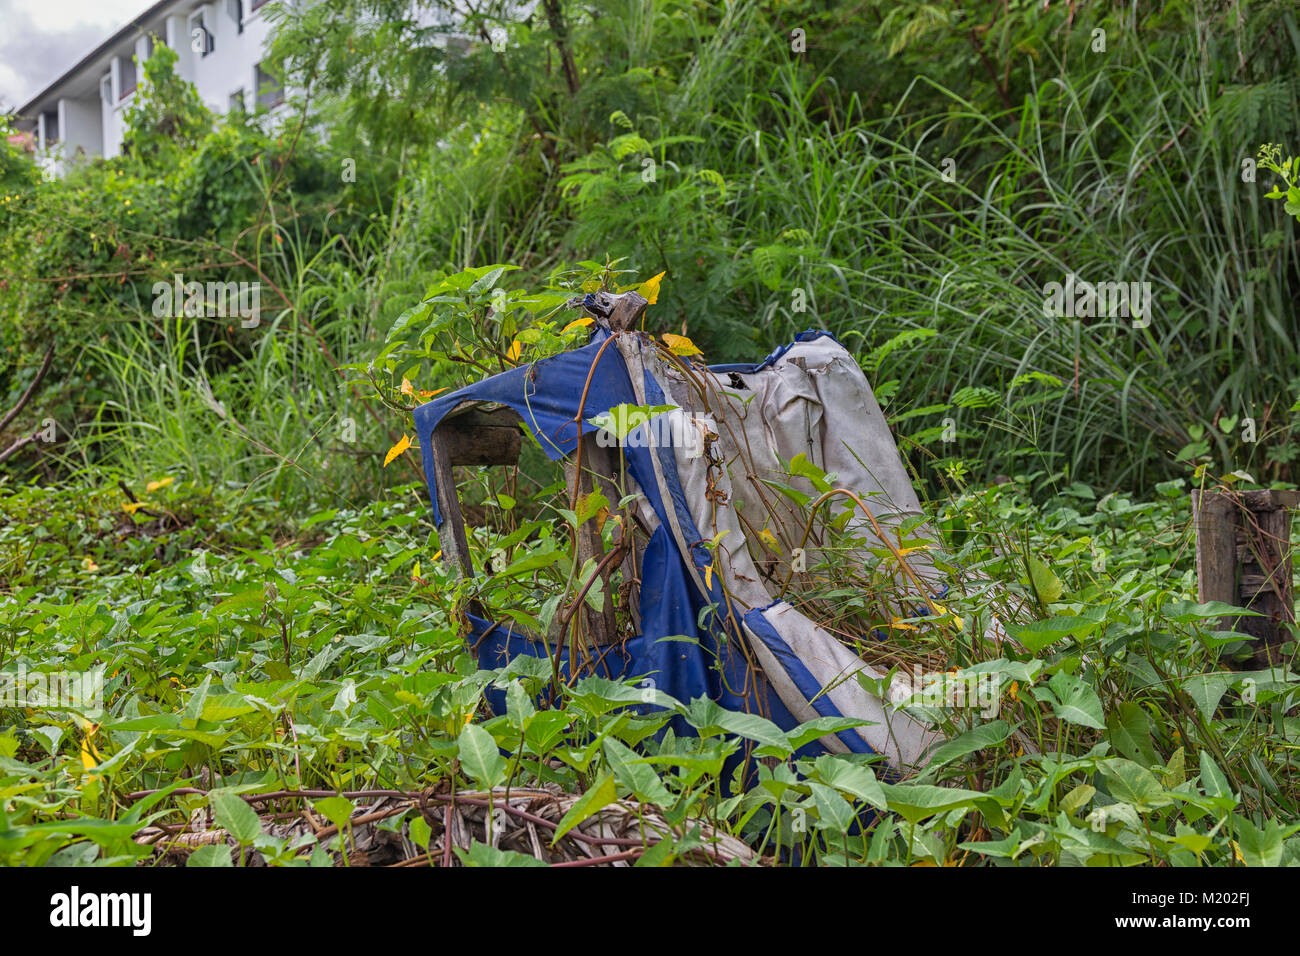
{"x": 1244, "y": 558}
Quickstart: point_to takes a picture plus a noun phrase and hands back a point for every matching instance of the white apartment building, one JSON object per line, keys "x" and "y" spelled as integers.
{"x": 219, "y": 46}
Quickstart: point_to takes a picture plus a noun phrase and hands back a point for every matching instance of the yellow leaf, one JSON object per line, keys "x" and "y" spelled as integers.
{"x": 904, "y": 552}
{"x": 650, "y": 288}
{"x": 415, "y": 572}
{"x": 680, "y": 344}
{"x": 513, "y": 353}
{"x": 576, "y": 324}
{"x": 89, "y": 564}
{"x": 396, "y": 450}
{"x": 708, "y": 578}
{"x": 897, "y": 624}
{"x": 407, "y": 387}
{"x": 768, "y": 538}
{"x": 161, "y": 483}
{"x": 89, "y": 755}
{"x": 131, "y": 507}
{"x": 436, "y": 391}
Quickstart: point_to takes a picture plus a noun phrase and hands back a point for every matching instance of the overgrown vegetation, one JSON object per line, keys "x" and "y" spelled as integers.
{"x": 210, "y": 515}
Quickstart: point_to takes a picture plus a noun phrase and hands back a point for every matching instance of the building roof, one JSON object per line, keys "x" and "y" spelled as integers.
{"x": 125, "y": 31}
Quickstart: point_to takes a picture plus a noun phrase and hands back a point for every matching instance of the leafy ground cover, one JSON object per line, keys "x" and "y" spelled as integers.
{"x": 244, "y": 655}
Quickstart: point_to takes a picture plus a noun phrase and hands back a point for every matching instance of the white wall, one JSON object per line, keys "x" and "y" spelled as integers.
{"x": 83, "y": 122}
{"x": 229, "y": 68}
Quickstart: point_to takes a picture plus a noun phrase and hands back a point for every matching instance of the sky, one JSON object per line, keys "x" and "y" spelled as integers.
{"x": 41, "y": 39}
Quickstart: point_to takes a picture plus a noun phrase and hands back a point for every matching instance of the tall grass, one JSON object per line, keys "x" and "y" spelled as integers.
{"x": 1124, "y": 167}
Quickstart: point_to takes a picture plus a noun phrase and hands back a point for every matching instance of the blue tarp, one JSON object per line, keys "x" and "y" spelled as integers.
{"x": 546, "y": 396}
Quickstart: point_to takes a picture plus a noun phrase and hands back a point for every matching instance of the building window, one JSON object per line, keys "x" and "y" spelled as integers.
{"x": 106, "y": 88}
{"x": 236, "y": 10}
{"x": 256, "y": 3}
{"x": 237, "y": 101}
{"x": 202, "y": 41}
{"x": 127, "y": 77}
{"x": 270, "y": 93}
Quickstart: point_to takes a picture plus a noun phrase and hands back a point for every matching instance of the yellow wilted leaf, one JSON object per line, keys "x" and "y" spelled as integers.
{"x": 436, "y": 391}
{"x": 131, "y": 507}
{"x": 897, "y": 624}
{"x": 650, "y": 288}
{"x": 576, "y": 324}
{"x": 708, "y": 578}
{"x": 161, "y": 483}
{"x": 89, "y": 564}
{"x": 515, "y": 350}
{"x": 768, "y": 538}
{"x": 407, "y": 387}
{"x": 680, "y": 345}
{"x": 415, "y": 572}
{"x": 89, "y": 755}
{"x": 396, "y": 450}
{"x": 904, "y": 552}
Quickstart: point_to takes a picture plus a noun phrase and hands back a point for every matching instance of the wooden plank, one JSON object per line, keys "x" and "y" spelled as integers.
{"x": 482, "y": 438}
{"x": 1244, "y": 558}
{"x": 1264, "y": 583}
{"x": 1216, "y": 560}
{"x": 601, "y": 628}
{"x": 451, "y": 536}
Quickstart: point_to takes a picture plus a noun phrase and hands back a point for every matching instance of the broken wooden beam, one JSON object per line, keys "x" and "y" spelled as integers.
{"x": 477, "y": 437}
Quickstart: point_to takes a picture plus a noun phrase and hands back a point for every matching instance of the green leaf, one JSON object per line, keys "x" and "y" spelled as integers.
{"x": 1213, "y": 782}
{"x": 833, "y": 811}
{"x": 1038, "y": 634}
{"x": 1129, "y": 730}
{"x": 636, "y": 776}
{"x": 235, "y": 816}
{"x": 1207, "y": 690}
{"x": 337, "y": 810}
{"x": 480, "y": 854}
{"x": 710, "y": 719}
{"x": 1075, "y": 701}
{"x": 1046, "y": 585}
{"x": 479, "y": 756}
{"x": 916, "y": 801}
{"x": 986, "y": 735}
{"x": 214, "y": 854}
{"x": 1258, "y": 847}
{"x": 420, "y": 831}
{"x": 601, "y": 794}
{"x": 854, "y": 779}
{"x": 1132, "y": 783}
{"x": 1078, "y": 798}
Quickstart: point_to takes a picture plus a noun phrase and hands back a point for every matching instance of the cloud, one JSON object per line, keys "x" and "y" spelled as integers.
{"x": 42, "y": 39}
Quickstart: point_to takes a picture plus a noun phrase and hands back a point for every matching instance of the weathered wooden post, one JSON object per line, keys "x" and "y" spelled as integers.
{"x": 1243, "y": 558}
